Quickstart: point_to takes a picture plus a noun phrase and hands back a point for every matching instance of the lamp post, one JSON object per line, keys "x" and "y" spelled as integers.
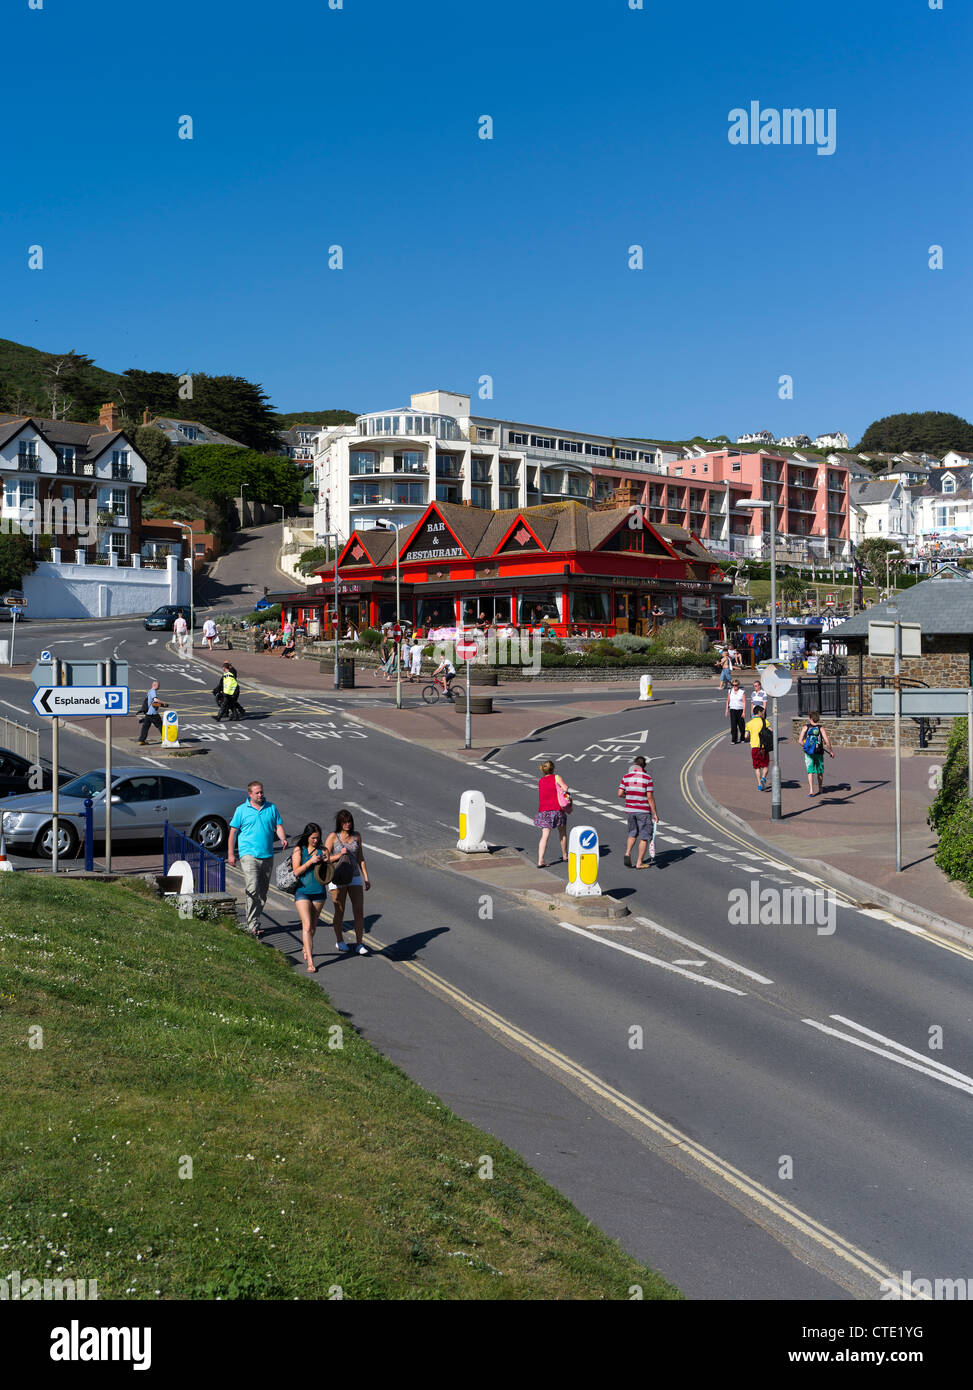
{"x": 280, "y": 508}
{"x": 391, "y": 526}
{"x": 185, "y": 526}
{"x": 771, "y": 506}
{"x": 242, "y": 522}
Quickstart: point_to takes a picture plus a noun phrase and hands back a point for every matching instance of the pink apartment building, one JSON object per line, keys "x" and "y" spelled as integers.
{"x": 701, "y": 494}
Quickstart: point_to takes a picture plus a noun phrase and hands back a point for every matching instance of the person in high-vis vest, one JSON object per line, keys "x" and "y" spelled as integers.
{"x": 227, "y": 691}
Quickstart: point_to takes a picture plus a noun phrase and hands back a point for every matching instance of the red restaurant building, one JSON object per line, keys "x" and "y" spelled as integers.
{"x": 560, "y": 566}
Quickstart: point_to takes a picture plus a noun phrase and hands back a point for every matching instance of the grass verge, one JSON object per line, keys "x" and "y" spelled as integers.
{"x": 186, "y": 1117}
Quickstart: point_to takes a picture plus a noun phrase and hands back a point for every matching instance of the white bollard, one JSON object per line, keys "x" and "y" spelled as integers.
{"x": 645, "y": 687}
{"x": 583, "y": 862}
{"x": 472, "y": 823}
{"x": 170, "y": 729}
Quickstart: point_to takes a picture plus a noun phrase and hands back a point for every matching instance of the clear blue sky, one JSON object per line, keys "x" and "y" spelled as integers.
{"x": 508, "y": 257}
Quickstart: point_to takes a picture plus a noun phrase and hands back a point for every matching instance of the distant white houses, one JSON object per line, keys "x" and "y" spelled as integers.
{"x": 758, "y": 437}
{"x": 836, "y": 440}
{"x": 795, "y": 441}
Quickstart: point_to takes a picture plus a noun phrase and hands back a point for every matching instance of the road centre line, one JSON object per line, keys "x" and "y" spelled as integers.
{"x": 268, "y": 738}
{"x": 653, "y": 960}
{"x": 861, "y": 1274}
{"x": 900, "y": 1047}
{"x": 704, "y": 951}
{"x": 966, "y": 1085}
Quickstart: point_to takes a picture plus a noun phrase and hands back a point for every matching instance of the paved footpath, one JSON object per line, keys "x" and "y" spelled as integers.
{"x": 851, "y": 826}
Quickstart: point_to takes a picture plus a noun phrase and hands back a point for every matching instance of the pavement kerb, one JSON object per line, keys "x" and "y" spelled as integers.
{"x": 865, "y": 893}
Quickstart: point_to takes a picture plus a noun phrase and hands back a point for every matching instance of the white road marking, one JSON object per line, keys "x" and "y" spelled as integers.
{"x": 376, "y": 849}
{"x": 95, "y": 642}
{"x": 704, "y": 951}
{"x": 151, "y": 760}
{"x": 699, "y": 963}
{"x": 652, "y": 960}
{"x": 152, "y": 641}
{"x": 268, "y": 738}
{"x": 510, "y": 815}
{"x": 961, "y": 1085}
{"x": 900, "y": 1047}
{"x": 605, "y": 926}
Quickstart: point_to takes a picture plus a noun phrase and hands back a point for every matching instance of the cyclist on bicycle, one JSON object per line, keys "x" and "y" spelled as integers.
{"x": 448, "y": 672}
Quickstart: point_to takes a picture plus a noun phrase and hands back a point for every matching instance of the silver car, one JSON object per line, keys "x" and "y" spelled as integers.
{"x": 141, "y": 801}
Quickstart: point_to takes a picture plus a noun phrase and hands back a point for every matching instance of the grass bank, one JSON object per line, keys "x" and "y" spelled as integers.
{"x": 186, "y": 1125}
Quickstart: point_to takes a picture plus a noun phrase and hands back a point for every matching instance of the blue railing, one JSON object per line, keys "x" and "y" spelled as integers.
{"x": 209, "y": 870}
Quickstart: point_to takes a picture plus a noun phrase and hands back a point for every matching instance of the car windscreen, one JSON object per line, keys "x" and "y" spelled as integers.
{"x": 89, "y": 785}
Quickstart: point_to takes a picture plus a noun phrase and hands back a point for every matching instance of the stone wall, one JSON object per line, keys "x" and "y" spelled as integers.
{"x": 944, "y": 663}
{"x": 865, "y": 731}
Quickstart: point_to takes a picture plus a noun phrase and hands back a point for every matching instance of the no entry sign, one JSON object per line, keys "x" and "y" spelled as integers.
{"x": 466, "y": 649}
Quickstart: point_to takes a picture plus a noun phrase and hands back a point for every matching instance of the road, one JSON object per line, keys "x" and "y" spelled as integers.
{"x": 784, "y": 1129}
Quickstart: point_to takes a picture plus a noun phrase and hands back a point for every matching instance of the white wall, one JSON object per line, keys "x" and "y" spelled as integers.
{"x": 102, "y": 591}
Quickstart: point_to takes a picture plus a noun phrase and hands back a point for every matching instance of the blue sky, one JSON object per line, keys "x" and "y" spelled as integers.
{"x": 506, "y": 257}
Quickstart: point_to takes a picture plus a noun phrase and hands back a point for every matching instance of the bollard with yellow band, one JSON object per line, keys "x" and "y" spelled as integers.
{"x": 645, "y": 687}
{"x": 583, "y": 862}
{"x": 170, "y": 729}
{"x": 472, "y": 823}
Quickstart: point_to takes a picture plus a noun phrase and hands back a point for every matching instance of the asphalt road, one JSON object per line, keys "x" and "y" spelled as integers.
{"x": 784, "y": 1129}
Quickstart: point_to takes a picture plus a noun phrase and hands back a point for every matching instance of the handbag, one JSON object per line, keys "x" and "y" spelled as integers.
{"x": 285, "y": 878}
{"x": 342, "y": 874}
{"x": 564, "y": 799}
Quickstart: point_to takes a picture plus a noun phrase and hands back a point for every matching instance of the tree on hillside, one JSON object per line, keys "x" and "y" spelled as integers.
{"x": 217, "y": 470}
{"x": 156, "y": 392}
{"x": 871, "y": 554}
{"x": 317, "y": 417}
{"x": 929, "y": 431}
{"x": 69, "y": 391}
{"x": 237, "y": 408}
{"x": 16, "y": 560}
{"x": 163, "y": 464}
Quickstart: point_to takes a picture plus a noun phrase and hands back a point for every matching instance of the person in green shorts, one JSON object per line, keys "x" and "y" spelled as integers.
{"x": 813, "y": 738}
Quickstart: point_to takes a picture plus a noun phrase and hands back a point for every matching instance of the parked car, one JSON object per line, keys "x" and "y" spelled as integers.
{"x": 162, "y": 619}
{"x": 15, "y": 778}
{"x": 141, "y": 799}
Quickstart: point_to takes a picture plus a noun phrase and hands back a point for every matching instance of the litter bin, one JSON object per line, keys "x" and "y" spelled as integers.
{"x": 346, "y": 673}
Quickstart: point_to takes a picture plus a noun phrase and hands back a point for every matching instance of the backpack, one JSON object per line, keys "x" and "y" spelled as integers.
{"x": 144, "y": 706}
{"x": 767, "y": 738}
{"x": 812, "y": 742}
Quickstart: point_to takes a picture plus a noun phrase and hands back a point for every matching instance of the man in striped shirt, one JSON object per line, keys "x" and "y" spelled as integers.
{"x": 636, "y": 787}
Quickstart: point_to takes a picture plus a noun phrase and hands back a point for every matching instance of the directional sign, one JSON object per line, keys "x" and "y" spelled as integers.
{"x": 70, "y": 701}
{"x": 260, "y": 605}
{"x": 15, "y": 610}
{"x": 46, "y": 656}
{"x": 79, "y": 672}
{"x": 15, "y": 600}
{"x": 923, "y": 703}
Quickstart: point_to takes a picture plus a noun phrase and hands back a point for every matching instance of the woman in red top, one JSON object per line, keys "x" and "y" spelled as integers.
{"x": 549, "y": 814}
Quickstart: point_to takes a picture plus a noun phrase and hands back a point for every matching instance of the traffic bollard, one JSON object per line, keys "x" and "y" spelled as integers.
{"x": 472, "y": 823}
{"x": 583, "y": 862}
{"x": 645, "y": 687}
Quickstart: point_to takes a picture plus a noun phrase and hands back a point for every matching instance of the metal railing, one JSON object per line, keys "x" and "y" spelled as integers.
{"x": 833, "y": 694}
{"x": 18, "y": 738}
{"x": 209, "y": 870}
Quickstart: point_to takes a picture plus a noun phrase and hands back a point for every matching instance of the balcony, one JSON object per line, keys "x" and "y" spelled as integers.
{"x": 418, "y": 469}
{"x": 65, "y": 468}
{"x": 28, "y": 463}
{"x": 121, "y": 472}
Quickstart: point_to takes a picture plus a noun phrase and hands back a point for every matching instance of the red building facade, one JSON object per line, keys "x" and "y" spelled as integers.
{"x": 560, "y": 567}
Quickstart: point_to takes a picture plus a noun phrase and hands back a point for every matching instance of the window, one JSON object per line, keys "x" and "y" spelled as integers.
{"x": 699, "y": 610}
{"x": 570, "y": 446}
{"x": 414, "y": 494}
{"x": 173, "y": 788}
{"x": 447, "y": 465}
{"x": 19, "y": 494}
{"x": 669, "y": 604}
{"x": 625, "y": 453}
{"x": 513, "y": 438}
{"x": 735, "y": 467}
{"x": 190, "y": 431}
{"x": 410, "y": 461}
{"x": 541, "y": 441}
{"x": 65, "y": 458}
{"x": 481, "y": 496}
{"x": 137, "y": 789}
{"x": 483, "y": 433}
{"x": 603, "y": 489}
{"x": 601, "y": 450}
{"x": 67, "y": 492}
{"x": 590, "y": 606}
{"x": 949, "y": 485}
{"x": 436, "y": 612}
{"x": 113, "y": 500}
{"x": 539, "y": 605}
{"x": 119, "y": 463}
{"x": 508, "y": 499}
{"x": 446, "y": 493}
{"x": 495, "y": 607}
{"x": 578, "y": 486}
{"x": 678, "y": 472}
{"x": 550, "y": 482}
{"x": 509, "y": 474}
{"x": 368, "y": 494}
{"x": 646, "y": 458}
{"x": 304, "y": 436}
{"x": 480, "y": 470}
{"x": 362, "y": 461}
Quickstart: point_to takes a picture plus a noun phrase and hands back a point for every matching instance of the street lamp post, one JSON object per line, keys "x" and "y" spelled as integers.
{"x": 242, "y": 522}
{"x": 185, "y": 526}
{"x": 332, "y": 538}
{"x": 771, "y": 506}
{"x": 391, "y": 526}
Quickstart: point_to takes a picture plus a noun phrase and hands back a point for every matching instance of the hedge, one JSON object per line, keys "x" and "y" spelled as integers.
{"x": 951, "y": 814}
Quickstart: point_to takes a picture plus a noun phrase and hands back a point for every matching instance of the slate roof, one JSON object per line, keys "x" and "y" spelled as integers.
{"x": 90, "y": 440}
{"x": 941, "y": 607}
{"x": 865, "y": 494}
{"x": 169, "y": 425}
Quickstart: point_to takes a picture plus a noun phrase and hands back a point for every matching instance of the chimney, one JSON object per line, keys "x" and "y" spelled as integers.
{"x": 108, "y": 416}
{"x": 146, "y": 416}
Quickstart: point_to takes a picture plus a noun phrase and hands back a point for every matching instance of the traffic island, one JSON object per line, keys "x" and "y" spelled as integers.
{"x": 510, "y": 872}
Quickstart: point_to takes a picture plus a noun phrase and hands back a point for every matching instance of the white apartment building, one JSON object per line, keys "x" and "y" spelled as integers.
{"x": 390, "y": 464}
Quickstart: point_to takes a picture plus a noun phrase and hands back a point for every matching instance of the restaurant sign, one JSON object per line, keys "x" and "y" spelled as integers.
{"x": 434, "y": 542}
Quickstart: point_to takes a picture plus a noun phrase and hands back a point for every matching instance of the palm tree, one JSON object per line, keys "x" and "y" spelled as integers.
{"x": 792, "y": 588}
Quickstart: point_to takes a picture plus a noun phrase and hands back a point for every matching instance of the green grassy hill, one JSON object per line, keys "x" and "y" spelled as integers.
{"x": 186, "y": 1116}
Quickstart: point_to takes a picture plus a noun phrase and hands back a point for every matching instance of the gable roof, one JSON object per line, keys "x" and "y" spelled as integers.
{"x": 941, "y": 607}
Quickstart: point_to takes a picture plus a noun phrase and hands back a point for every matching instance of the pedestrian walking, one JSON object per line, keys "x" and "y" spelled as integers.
{"x": 210, "y": 634}
{"x": 726, "y": 669}
{"x": 181, "y": 635}
{"x": 813, "y": 738}
{"x": 346, "y": 851}
{"x": 639, "y": 792}
{"x": 310, "y": 893}
{"x": 254, "y": 825}
{"x": 736, "y": 708}
{"x": 415, "y": 659}
{"x": 758, "y": 698}
{"x": 149, "y": 710}
{"x": 551, "y": 814}
{"x": 761, "y": 738}
{"x": 227, "y": 692}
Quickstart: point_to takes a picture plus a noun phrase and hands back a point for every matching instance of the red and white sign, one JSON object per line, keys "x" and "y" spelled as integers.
{"x": 466, "y": 648}
{"x": 396, "y": 633}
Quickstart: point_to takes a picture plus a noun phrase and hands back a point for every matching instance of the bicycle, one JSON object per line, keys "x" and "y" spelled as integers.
{"x": 433, "y": 693}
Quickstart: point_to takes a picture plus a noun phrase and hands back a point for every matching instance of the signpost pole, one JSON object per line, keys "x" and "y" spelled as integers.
{"x": 102, "y": 677}
{"x": 775, "y": 806}
{"x": 898, "y": 746}
{"x": 969, "y": 742}
{"x": 337, "y": 610}
{"x": 56, "y": 765}
{"x": 469, "y": 713}
{"x": 13, "y": 638}
{"x": 398, "y": 624}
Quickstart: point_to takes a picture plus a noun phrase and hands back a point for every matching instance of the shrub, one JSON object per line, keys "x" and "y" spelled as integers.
{"x": 952, "y": 812}
{"x": 369, "y": 637}
{"x": 314, "y": 558}
{"x": 628, "y": 642}
{"x": 266, "y": 615}
{"x": 683, "y": 633}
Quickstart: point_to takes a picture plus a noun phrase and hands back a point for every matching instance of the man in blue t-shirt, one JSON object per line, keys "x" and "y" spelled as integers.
{"x": 255, "y": 822}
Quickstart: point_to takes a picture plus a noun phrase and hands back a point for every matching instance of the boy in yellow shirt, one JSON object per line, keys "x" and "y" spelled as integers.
{"x": 759, "y": 755}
